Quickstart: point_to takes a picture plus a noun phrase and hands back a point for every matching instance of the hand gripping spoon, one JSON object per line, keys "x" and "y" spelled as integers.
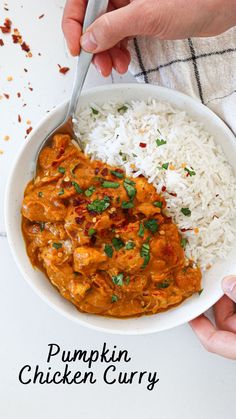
{"x": 94, "y": 9}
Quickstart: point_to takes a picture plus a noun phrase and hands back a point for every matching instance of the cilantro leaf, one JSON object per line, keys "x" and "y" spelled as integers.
{"x": 151, "y": 225}
{"x": 117, "y": 243}
{"x": 108, "y": 249}
{"x": 99, "y": 205}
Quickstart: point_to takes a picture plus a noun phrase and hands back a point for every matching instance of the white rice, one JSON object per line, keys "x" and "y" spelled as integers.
{"x": 114, "y": 137}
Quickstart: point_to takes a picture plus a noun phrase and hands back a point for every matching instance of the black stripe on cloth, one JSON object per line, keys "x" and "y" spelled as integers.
{"x": 140, "y": 61}
{"x": 221, "y": 97}
{"x": 185, "y": 60}
{"x": 196, "y": 72}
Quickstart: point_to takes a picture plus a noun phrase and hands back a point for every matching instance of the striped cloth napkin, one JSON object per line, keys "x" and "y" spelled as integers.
{"x": 204, "y": 68}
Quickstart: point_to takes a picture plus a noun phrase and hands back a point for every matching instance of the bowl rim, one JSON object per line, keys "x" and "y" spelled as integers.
{"x": 211, "y": 300}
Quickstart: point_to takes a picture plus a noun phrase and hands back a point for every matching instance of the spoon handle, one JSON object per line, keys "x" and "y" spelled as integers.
{"x": 94, "y": 9}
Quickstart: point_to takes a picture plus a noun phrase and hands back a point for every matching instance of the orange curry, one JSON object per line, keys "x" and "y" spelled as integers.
{"x": 103, "y": 238}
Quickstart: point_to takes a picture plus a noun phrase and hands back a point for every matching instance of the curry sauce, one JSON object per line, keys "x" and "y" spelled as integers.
{"x": 103, "y": 238}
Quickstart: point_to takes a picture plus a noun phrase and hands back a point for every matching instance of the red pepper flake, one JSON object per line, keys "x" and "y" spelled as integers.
{"x": 16, "y": 39}
{"x": 30, "y": 88}
{"x": 1, "y": 43}
{"x": 18, "y": 94}
{"x": 142, "y": 145}
{"x": 19, "y": 118}
{"x": 96, "y": 171}
{"x": 185, "y": 229}
{"x": 5, "y": 8}
{"x": 41, "y": 16}
{"x": 29, "y": 130}
{"x": 63, "y": 70}
{"x": 104, "y": 172}
{"x": 163, "y": 188}
{"x": 172, "y": 193}
{"x": 6, "y": 95}
{"x": 79, "y": 220}
{"x": 6, "y": 28}
{"x": 25, "y": 47}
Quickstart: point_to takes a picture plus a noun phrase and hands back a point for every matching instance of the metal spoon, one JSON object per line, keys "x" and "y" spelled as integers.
{"x": 94, "y": 9}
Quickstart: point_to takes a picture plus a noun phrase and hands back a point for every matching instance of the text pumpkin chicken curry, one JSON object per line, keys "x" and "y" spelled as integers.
{"x": 103, "y": 239}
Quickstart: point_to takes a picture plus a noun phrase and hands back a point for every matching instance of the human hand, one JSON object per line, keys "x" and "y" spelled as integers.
{"x": 165, "y": 19}
{"x": 221, "y": 339}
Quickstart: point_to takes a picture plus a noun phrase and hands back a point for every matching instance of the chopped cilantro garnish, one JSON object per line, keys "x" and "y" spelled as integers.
{"x": 145, "y": 254}
{"x": 117, "y": 174}
{"x": 94, "y": 111}
{"x": 77, "y": 187}
{"x": 199, "y": 292}
{"x": 130, "y": 188}
{"x": 158, "y": 204}
{"x": 129, "y": 245}
{"x": 127, "y": 280}
{"x": 61, "y": 192}
{"x": 117, "y": 243}
{"x": 57, "y": 245}
{"x": 89, "y": 191}
{"x": 186, "y": 212}
{"x": 114, "y": 298}
{"x": 42, "y": 225}
{"x": 151, "y": 225}
{"x": 61, "y": 170}
{"x": 127, "y": 204}
{"x": 99, "y": 205}
{"x": 108, "y": 249}
{"x": 190, "y": 172}
{"x": 91, "y": 232}
{"x": 160, "y": 142}
{"x": 165, "y": 166}
{"x": 110, "y": 184}
{"x": 184, "y": 243}
{"x": 164, "y": 284}
{"x": 40, "y": 194}
{"x": 123, "y": 108}
{"x": 141, "y": 230}
{"x": 118, "y": 279}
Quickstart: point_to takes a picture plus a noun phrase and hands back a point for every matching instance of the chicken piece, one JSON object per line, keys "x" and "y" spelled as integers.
{"x": 87, "y": 260}
{"x": 145, "y": 191}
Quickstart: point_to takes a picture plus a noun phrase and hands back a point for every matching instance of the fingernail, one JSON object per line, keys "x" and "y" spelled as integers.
{"x": 88, "y": 42}
{"x": 229, "y": 285}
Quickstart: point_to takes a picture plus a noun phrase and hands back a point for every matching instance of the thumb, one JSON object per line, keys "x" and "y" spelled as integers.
{"x": 229, "y": 287}
{"x": 111, "y": 28}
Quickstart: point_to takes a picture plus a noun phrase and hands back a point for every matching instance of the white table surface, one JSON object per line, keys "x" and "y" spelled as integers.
{"x": 193, "y": 383}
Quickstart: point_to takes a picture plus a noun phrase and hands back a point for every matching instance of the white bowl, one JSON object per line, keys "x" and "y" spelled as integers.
{"x": 21, "y": 174}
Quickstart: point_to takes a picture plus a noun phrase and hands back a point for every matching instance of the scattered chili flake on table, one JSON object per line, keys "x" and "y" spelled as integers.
{"x": 25, "y": 47}
{"x": 19, "y": 118}
{"x": 18, "y": 94}
{"x": 6, "y": 138}
{"x": 63, "y": 70}
{"x": 25, "y": 70}
{"x": 41, "y": 16}
{"x": 17, "y": 39}
{"x": 6, "y": 28}
{"x": 30, "y": 88}
{"x": 6, "y": 95}
{"x": 142, "y": 145}
{"x": 1, "y": 43}
{"x": 29, "y": 130}
{"x": 9, "y": 78}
